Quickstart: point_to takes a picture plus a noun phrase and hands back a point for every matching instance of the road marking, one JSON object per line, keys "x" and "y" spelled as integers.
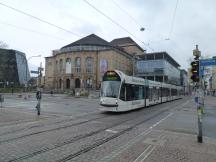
{"x": 143, "y": 153}
{"x": 148, "y": 153}
{"x": 112, "y": 131}
{"x": 160, "y": 121}
{"x": 122, "y": 148}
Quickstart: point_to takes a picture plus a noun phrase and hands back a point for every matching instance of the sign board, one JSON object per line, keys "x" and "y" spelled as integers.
{"x": 34, "y": 72}
{"x": 208, "y": 62}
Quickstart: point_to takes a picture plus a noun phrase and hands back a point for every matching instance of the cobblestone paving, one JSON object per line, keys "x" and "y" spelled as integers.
{"x": 74, "y": 130}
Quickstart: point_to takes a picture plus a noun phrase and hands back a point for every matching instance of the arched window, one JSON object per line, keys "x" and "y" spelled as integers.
{"x": 77, "y": 83}
{"x": 78, "y": 64}
{"x": 103, "y": 66}
{"x": 89, "y": 65}
{"x": 61, "y": 65}
{"x": 67, "y": 83}
{"x": 68, "y": 66}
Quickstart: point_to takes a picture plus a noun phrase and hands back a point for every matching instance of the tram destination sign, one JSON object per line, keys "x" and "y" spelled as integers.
{"x": 208, "y": 62}
{"x": 111, "y": 76}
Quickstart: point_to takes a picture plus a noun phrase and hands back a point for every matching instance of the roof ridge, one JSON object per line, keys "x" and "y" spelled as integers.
{"x": 91, "y": 39}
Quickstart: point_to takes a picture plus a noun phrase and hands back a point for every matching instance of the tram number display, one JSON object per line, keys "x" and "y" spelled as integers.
{"x": 111, "y": 76}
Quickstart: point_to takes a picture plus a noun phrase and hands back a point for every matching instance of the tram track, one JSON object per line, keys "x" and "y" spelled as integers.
{"x": 103, "y": 141}
{"x": 49, "y": 130}
{"x": 44, "y": 124}
{"x": 41, "y": 125}
{"x": 98, "y": 143}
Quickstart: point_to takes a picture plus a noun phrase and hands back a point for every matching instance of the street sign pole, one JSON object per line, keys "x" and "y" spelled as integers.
{"x": 197, "y": 78}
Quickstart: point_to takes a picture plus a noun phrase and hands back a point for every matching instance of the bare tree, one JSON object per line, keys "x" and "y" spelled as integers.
{"x": 3, "y": 45}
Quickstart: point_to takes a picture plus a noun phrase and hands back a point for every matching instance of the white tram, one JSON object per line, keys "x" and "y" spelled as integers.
{"x": 120, "y": 92}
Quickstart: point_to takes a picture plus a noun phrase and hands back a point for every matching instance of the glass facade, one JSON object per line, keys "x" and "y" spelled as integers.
{"x": 158, "y": 70}
{"x": 22, "y": 67}
{"x": 13, "y": 68}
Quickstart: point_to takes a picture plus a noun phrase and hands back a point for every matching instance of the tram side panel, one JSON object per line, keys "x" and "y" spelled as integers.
{"x": 131, "y": 97}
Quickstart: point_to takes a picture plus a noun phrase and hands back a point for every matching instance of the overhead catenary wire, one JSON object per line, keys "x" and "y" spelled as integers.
{"x": 116, "y": 23}
{"x": 39, "y": 19}
{"x": 173, "y": 19}
{"x": 129, "y": 15}
{"x": 32, "y": 31}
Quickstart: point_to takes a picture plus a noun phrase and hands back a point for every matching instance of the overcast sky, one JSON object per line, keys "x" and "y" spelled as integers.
{"x": 194, "y": 23}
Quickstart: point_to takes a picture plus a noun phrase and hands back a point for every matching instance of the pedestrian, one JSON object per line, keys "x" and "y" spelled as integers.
{"x": 51, "y": 92}
{"x": 38, "y": 97}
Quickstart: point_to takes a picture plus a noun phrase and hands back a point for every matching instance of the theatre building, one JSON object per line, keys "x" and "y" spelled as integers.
{"x": 82, "y": 63}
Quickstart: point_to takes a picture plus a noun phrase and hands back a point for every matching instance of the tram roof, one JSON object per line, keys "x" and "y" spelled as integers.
{"x": 138, "y": 81}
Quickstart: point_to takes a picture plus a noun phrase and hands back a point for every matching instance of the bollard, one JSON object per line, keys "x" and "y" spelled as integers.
{"x": 1, "y": 99}
{"x": 38, "y": 97}
{"x": 38, "y": 108}
{"x": 199, "y": 113}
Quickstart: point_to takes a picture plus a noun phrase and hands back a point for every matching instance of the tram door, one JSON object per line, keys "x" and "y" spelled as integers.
{"x": 157, "y": 95}
{"x": 154, "y": 95}
{"x": 150, "y": 95}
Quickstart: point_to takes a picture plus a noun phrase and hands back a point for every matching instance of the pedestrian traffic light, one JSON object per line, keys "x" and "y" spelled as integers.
{"x": 195, "y": 71}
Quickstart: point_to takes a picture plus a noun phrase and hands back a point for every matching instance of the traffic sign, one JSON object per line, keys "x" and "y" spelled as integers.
{"x": 208, "y": 62}
{"x": 34, "y": 72}
{"x": 40, "y": 69}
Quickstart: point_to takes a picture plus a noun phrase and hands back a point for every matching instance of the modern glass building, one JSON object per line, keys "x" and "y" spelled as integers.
{"x": 13, "y": 68}
{"x": 158, "y": 66}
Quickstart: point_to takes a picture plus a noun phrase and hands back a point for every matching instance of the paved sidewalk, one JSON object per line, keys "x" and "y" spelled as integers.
{"x": 209, "y": 118}
{"x": 174, "y": 139}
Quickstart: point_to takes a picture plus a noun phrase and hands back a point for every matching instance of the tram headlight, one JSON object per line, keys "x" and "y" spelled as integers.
{"x": 101, "y": 101}
{"x": 116, "y": 102}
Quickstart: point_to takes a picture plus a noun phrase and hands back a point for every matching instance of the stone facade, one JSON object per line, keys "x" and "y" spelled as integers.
{"x": 81, "y": 64}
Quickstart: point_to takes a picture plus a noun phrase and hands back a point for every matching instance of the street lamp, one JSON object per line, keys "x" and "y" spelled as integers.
{"x": 27, "y": 70}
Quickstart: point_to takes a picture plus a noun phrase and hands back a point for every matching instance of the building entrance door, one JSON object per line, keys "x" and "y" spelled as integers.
{"x": 77, "y": 83}
{"x": 67, "y": 83}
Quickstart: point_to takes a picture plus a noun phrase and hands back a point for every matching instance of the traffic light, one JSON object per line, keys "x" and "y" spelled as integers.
{"x": 195, "y": 71}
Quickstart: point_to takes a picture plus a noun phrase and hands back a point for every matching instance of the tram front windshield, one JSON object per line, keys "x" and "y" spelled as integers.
{"x": 110, "y": 89}
{"x": 110, "y": 85}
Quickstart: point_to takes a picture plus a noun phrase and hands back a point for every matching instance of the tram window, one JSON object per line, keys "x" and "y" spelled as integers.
{"x": 154, "y": 93}
{"x": 173, "y": 92}
{"x": 133, "y": 92}
{"x": 159, "y": 93}
{"x": 140, "y": 93}
{"x": 122, "y": 93}
{"x": 164, "y": 92}
{"x": 129, "y": 92}
{"x": 136, "y": 92}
